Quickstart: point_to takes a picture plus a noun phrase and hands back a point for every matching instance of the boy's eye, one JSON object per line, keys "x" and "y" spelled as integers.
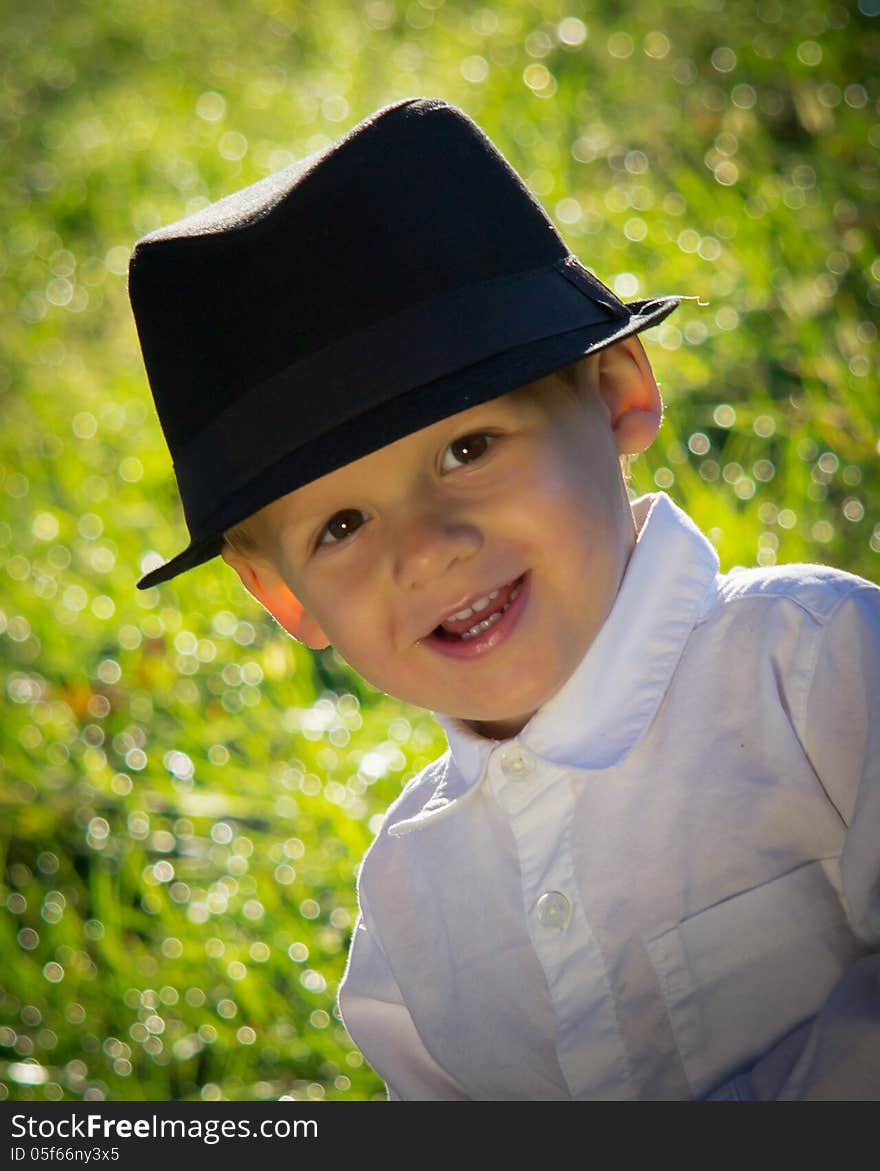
{"x": 341, "y": 525}
{"x": 465, "y": 451}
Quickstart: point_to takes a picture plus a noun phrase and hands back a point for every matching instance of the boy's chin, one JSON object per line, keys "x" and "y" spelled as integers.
{"x": 499, "y": 729}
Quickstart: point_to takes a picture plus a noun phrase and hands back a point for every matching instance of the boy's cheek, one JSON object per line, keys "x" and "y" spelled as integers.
{"x": 337, "y": 620}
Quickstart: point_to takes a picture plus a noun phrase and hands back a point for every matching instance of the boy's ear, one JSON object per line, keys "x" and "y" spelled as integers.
{"x": 630, "y": 392}
{"x": 261, "y": 581}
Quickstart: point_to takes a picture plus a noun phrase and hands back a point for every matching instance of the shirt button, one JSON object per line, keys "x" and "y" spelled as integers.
{"x": 517, "y": 762}
{"x": 554, "y": 910}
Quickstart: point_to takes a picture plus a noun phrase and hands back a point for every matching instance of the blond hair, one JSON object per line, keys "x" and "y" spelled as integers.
{"x": 241, "y": 539}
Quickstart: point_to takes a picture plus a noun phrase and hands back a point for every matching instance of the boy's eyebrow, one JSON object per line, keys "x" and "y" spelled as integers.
{"x": 305, "y": 520}
{"x": 308, "y": 516}
{"x": 455, "y": 424}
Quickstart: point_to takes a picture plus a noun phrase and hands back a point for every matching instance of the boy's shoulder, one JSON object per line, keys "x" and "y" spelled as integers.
{"x": 816, "y": 589}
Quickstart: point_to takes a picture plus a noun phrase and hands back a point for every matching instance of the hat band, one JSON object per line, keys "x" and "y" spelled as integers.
{"x": 372, "y": 366}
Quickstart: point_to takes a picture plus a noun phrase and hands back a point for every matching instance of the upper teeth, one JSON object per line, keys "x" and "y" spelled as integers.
{"x": 479, "y": 627}
{"x": 473, "y": 608}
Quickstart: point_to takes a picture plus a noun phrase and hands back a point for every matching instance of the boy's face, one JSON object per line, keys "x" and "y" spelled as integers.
{"x": 468, "y": 567}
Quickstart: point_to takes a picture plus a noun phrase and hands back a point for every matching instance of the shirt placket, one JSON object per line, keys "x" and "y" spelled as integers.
{"x": 538, "y": 800}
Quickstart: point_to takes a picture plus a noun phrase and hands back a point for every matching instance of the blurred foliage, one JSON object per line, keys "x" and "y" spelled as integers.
{"x": 185, "y": 792}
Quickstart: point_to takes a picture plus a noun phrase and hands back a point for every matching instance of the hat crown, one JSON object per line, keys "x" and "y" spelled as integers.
{"x": 412, "y": 204}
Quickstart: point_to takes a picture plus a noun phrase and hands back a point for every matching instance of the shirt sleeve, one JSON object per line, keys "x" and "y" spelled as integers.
{"x": 836, "y": 1055}
{"x": 378, "y": 1021}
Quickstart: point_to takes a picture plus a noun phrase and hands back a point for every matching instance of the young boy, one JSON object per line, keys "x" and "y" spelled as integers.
{"x": 648, "y": 867}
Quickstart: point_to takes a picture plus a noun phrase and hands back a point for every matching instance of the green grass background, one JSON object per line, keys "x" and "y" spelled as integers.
{"x": 185, "y": 792}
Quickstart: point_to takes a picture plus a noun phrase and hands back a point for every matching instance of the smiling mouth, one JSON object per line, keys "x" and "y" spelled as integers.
{"x": 480, "y": 616}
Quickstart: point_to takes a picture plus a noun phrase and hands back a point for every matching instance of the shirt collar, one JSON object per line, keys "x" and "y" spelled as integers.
{"x": 603, "y": 710}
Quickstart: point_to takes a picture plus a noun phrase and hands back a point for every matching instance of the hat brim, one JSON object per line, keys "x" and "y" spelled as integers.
{"x": 409, "y": 412}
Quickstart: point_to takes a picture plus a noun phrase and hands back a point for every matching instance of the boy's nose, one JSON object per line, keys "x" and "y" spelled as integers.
{"x": 429, "y": 546}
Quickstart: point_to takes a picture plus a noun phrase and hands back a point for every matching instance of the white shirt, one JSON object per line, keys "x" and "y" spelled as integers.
{"x": 667, "y": 886}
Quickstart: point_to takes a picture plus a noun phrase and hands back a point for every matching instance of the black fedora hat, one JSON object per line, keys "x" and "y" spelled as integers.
{"x": 401, "y": 275}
